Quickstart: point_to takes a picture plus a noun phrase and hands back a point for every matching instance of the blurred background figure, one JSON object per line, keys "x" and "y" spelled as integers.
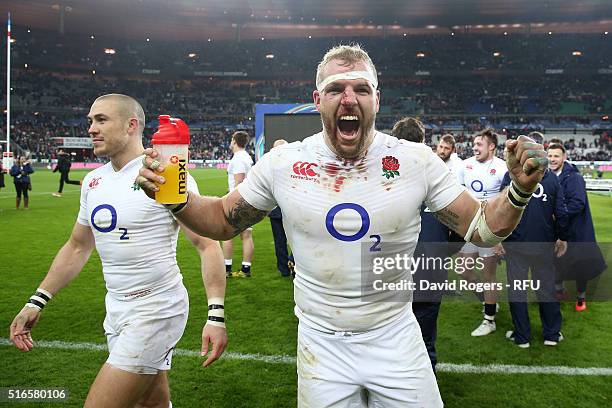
{"x": 21, "y": 177}
{"x": 237, "y": 170}
{"x": 63, "y": 166}
{"x": 284, "y": 261}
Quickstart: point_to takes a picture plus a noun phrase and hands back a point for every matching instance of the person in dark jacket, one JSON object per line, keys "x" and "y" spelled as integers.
{"x": 583, "y": 260}
{"x": 21, "y": 177}
{"x": 540, "y": 236}
{"x": 284, "y": 261}
{"x": 63, "y": 165}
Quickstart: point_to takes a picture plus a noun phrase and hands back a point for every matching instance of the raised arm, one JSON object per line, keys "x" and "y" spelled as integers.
{"x": 491, "y": 222}
{"x": 213, "y": 276}
{"x": 67, "y": 264}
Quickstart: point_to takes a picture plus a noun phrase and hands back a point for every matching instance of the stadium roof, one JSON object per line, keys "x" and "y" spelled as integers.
{"x": 227, "y": 19}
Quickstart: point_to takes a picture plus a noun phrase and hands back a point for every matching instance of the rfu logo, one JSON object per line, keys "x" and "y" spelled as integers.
{"x": 94, "y": 182}
{"x": 305, "y": 169}
{"x": 174, "y": 159}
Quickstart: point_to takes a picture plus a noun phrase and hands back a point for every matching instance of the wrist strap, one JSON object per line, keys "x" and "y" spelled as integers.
{"x": 216, "y": 312}
{"x": 39, "y": 299}
{"x": 518, "y": 198}
{"x": 177, "y": 208}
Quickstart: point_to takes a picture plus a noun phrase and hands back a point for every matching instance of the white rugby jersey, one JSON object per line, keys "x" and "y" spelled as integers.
{"x": 241, "y": 162}
{"x": 338, "y": 213}
{"x": 135, "y": 236}
{"x": 483, "y": 179}
{"x": 455, "y": 165}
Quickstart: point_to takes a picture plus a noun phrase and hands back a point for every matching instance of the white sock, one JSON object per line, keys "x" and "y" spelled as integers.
{"x": 228, "y": 262}
{"x": 169, "y": 404}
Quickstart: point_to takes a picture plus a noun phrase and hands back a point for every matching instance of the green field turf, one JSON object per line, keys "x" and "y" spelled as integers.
{"x": 261, "y": 321}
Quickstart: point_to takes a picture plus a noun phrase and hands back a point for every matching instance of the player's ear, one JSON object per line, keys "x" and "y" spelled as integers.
{"x": 316, "y": 97}
{"x": 133, "y": 125}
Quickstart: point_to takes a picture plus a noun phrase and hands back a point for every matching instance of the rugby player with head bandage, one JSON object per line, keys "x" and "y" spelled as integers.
{"x": 363, "y": 193}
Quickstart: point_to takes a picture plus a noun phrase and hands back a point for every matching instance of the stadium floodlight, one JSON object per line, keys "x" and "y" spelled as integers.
{"x": 420, "y": 55}
{"x": 92, "y": 36}
{"x": 576, "y": 53}
{"x": 192, "y": 55}
{"x": 496, "y": 54}
{"x": 270, "y": 56}
{"x": 110, "y": 51}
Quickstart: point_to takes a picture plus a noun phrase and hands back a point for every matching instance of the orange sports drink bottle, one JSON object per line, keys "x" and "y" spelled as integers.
{"x": 172, "y": 143}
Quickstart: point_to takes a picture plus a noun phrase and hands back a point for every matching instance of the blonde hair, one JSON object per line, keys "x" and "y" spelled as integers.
{"x": 348, "y": 54}
{"x": 128, "y": 106}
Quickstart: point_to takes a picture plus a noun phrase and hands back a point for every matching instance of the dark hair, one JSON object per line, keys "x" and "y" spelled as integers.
{"x": 241, "y": 137}
{"x": 448, "y": 138}
{"x": 410, "y": 129}
{"x": 490, "y": 135}
{"x": 556, "y": 146}
{"x": 537, "y": 137}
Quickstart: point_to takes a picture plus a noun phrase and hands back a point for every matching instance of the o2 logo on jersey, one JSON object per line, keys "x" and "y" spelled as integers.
{"x": 539, "y": 193}
{"x": 110, "y": 210}
{"x": 477, "y": 186}
{"x": 365, "y": 225}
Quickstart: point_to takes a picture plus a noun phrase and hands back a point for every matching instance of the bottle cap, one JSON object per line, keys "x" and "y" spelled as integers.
{"x": 171, "y": 131}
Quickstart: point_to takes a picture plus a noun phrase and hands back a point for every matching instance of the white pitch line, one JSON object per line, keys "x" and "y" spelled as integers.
{"x": 284, "y": 359}
{"x": 64, "y": 345}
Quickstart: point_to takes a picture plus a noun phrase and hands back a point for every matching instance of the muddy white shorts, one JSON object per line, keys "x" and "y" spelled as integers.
{"x": 387, "y": 367}
{"x": 469, "y": 248}
{"x": 142, "y": 332}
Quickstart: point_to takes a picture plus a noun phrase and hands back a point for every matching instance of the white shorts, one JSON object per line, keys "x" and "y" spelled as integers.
{"x": 387, "y": 367}
{"x": 142, "y": 333}
{"x": 469, "y": 248}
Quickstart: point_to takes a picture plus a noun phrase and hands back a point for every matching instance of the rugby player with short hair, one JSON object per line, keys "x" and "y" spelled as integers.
{"x": 447, "y": 151}
{"x": 410, "y": 129}
{"x": 237, "y": 170}
{"x": 362, "y": 193}
{"x": 482, "y": 175}
{"x": 147, "y": 303}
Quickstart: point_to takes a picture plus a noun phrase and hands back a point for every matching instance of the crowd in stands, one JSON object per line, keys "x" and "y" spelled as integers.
{"x": 460, "y": 86}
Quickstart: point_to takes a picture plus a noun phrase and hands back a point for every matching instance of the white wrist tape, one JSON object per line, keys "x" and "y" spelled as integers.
{"x": 518, "y": 198}
{"x": 39, "y": 299}
{"x": 216, "y": 312}
{"x": 349, "y": 75}
{"x": 479, "y": 222}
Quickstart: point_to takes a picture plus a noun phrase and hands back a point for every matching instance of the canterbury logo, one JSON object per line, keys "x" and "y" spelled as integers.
{"x": 94, "y": 182}
{"x": 305, "y": 169}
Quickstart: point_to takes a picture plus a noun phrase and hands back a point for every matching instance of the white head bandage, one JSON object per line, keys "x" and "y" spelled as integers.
{"x": 367, "y": 75}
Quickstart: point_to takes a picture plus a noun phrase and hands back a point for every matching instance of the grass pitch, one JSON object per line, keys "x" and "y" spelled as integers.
{"x": 261, "y": 321}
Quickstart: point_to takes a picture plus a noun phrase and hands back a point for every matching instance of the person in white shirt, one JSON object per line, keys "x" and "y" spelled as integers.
{"x": 446, "y": 150}
{"x": 350, "y": 197}
{"x": 147, "y": 303}
{"x": 482, "y": 175}
{"x": 239, "y": 167}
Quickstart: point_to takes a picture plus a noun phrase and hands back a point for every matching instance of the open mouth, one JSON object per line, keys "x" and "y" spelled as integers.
{"x": 348, "y": 125}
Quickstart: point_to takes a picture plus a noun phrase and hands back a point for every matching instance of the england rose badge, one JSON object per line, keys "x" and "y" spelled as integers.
{"x": 390, "y": 167}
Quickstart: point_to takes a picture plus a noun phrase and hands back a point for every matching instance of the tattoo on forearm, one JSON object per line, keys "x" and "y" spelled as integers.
{"x": 243, "y": 215}
{"x": 448, "y": 218}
